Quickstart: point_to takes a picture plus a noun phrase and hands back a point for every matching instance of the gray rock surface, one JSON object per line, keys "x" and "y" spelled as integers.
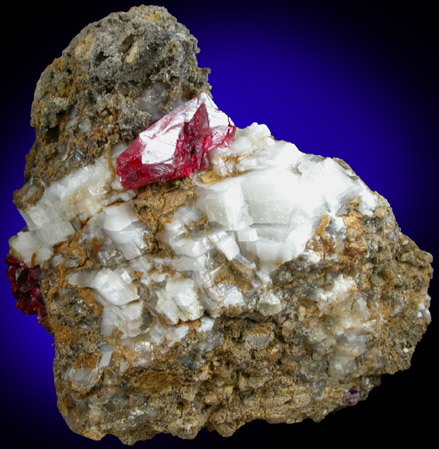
{"x": 116, "y": 77}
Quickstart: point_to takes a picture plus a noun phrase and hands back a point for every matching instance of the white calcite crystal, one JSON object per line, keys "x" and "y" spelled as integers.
{"x": 272, "y": 285}
{"x": 229, "y": 253}
{"x": 260, "y": 207}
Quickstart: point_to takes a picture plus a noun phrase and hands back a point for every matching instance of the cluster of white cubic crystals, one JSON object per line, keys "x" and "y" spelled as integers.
{"x": 263, "y": 203}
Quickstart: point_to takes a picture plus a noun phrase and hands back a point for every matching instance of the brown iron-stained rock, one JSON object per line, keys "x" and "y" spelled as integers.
{"x": 116, "y": 77}
{"x": 273, "y": 285}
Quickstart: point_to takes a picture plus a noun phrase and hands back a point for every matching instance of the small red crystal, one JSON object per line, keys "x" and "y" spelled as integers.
{"x": 25, "y": 286}
{"x": 175, "y": 146}
{"x": 352, "y": 396}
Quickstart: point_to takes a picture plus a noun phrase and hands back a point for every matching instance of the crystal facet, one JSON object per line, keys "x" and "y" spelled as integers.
{"x": 176, "y": 145}
{"x": 25, "y": 286}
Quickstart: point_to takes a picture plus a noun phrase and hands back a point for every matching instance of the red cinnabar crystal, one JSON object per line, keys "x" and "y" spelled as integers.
{"x": 25, "y": 286}
{"x": 352, "y": 396}
{"x": 176, "y": 145}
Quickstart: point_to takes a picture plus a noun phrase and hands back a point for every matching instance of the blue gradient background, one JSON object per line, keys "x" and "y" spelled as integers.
{"x": 354, "y": 79}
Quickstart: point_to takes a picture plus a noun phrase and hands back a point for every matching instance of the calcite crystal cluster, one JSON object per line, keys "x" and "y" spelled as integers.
{"x": 194, "y": 274}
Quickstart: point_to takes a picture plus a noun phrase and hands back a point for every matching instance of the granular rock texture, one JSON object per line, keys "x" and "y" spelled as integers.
{"x": 271, "y": 284}
{"x": 116, "y": 77}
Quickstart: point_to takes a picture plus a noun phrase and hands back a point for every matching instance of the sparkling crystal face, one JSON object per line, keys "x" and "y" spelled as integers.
{"x": 176, "y": 145}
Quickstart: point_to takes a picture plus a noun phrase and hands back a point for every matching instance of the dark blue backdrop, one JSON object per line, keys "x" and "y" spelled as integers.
{"x": 352, "y": 79}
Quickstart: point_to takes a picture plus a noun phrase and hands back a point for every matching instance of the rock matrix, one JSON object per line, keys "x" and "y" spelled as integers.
{"x": 194, "y": 274}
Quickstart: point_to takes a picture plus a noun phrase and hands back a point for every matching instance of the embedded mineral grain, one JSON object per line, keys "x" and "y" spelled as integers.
{"x": 264, "y": 283}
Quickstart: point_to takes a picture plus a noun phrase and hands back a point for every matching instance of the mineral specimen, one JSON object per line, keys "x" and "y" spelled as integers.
{"x": 193, "y": 276}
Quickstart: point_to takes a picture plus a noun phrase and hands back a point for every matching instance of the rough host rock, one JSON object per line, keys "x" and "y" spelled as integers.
{"x": 194, "y": 274}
